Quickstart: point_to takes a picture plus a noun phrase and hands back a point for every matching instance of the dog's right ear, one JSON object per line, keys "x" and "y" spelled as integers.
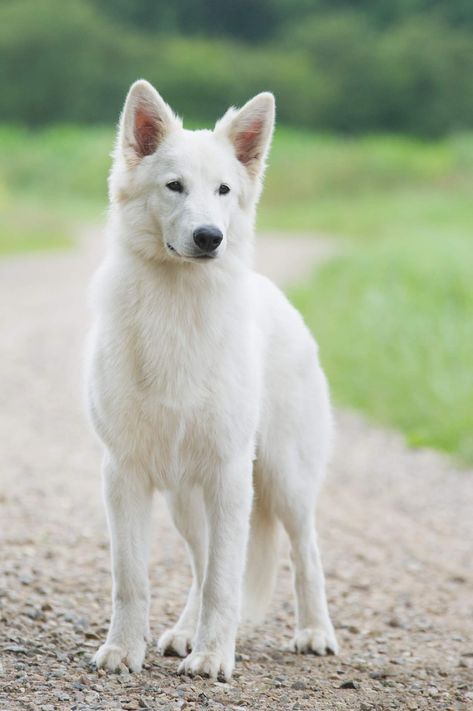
{"x": 145, "y": 121}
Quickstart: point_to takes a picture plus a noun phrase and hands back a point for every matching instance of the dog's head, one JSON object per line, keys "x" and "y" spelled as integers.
{"x": 188, "y": 196}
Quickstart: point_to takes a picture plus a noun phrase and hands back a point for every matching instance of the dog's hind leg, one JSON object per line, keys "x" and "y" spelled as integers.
{"x": 188, "y": 513}
{"x": 295, "y": 506}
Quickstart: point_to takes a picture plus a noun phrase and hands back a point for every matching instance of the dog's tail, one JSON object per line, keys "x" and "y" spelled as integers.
{"x": 261, "y": 563}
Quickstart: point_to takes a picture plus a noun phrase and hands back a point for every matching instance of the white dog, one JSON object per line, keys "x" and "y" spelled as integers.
{"x": 203, "y": 383}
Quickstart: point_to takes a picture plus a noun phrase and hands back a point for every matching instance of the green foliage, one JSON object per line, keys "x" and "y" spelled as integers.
{"x": 62, "y": 62}
{"x": 369, "y": 188}
{"x": 241, "y": 19}
{"x": 394, "y": 325}
{"x": 249, "y": 20}
{"x": 413, "y": 78}
{"x": 428, "y": 68}
{"x": 70, "y": 64}
{"x": 349, "y": 67}
{"x": 62, "y": 163}
{"x": 50, "y": 180}
{"x": 393, "y": 315}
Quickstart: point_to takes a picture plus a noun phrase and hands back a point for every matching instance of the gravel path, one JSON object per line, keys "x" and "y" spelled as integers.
{"x": 396, "y": 529}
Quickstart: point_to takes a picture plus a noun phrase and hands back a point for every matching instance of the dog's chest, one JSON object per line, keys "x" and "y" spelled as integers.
{"x": 173, "y": 390}
{"x": 173, "y": 348}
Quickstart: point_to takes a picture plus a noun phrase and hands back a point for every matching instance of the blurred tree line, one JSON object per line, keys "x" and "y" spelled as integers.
{"x": 339, "y": 65}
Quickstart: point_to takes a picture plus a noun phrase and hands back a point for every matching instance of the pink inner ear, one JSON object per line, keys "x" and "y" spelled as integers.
{"x": 247, "y": 142}
{"x": 146, "y": 132}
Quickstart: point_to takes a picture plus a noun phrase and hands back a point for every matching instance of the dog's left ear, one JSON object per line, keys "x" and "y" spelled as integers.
{"x": 250, "y": 130}
{"x": 145, "y": 121}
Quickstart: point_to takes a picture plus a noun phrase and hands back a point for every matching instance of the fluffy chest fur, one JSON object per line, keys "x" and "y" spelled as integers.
{"x": 173, "y": 368}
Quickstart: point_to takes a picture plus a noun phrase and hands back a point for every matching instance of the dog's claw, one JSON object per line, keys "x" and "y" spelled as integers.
{"x": 175, "y": 642}
{"x": 315, "y": 640}
{"x": 208, "y": 665}
{"x": 112, "y": 656}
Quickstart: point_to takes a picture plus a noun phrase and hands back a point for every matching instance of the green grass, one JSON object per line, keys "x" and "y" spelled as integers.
{"x": 393, "y": 316}
{"x": 395, "y": 326}
{"x": 368, "y": 188}
{"x": 50, "y": 181}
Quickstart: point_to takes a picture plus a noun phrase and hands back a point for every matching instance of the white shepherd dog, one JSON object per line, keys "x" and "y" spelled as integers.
{"x": 203, "y": 383}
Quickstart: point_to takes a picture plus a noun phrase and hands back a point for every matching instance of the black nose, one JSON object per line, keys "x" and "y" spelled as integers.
{"x": 207, "y": 238}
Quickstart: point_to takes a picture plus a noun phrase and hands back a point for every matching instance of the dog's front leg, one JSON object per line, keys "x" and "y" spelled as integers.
{"x": 128, "y": 497}
{"x": 228, "y": 502}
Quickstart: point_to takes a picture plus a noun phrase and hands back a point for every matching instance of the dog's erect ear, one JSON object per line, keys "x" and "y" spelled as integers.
{"x": 250, "y": 130}
{"x": 145, "y": 121}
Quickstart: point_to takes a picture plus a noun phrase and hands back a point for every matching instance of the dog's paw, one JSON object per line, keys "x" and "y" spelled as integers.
{"x": 319, "y": 640}
{"x": 112, "y": 656}
{"x": 212, "y": 664}
{"x": 175, "y": 642}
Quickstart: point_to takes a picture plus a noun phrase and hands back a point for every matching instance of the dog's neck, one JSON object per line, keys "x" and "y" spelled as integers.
{"x": 177, "y": 317}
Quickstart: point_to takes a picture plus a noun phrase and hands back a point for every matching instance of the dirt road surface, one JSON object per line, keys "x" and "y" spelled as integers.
{"x": 396, "y": 529}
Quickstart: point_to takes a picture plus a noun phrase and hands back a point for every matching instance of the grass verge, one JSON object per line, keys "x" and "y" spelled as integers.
{"x": 394, "y": 325}
{"x": 50, "y": 180}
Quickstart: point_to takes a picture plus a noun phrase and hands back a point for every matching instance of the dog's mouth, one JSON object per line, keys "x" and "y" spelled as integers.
{"x": 191, "y": 257}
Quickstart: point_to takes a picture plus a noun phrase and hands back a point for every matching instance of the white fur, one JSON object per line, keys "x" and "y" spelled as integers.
{"x": 203, "y": 383}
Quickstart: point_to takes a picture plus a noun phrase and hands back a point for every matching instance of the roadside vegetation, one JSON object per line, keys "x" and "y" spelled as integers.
{"x": 393, "y": 313}
{"x": 50, "y": 180}
{"x": 394, "y": 324}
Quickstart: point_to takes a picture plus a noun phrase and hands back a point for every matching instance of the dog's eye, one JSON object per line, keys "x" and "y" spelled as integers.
{"x": 223, "y": 189}
{"x": 176, "y": 186}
